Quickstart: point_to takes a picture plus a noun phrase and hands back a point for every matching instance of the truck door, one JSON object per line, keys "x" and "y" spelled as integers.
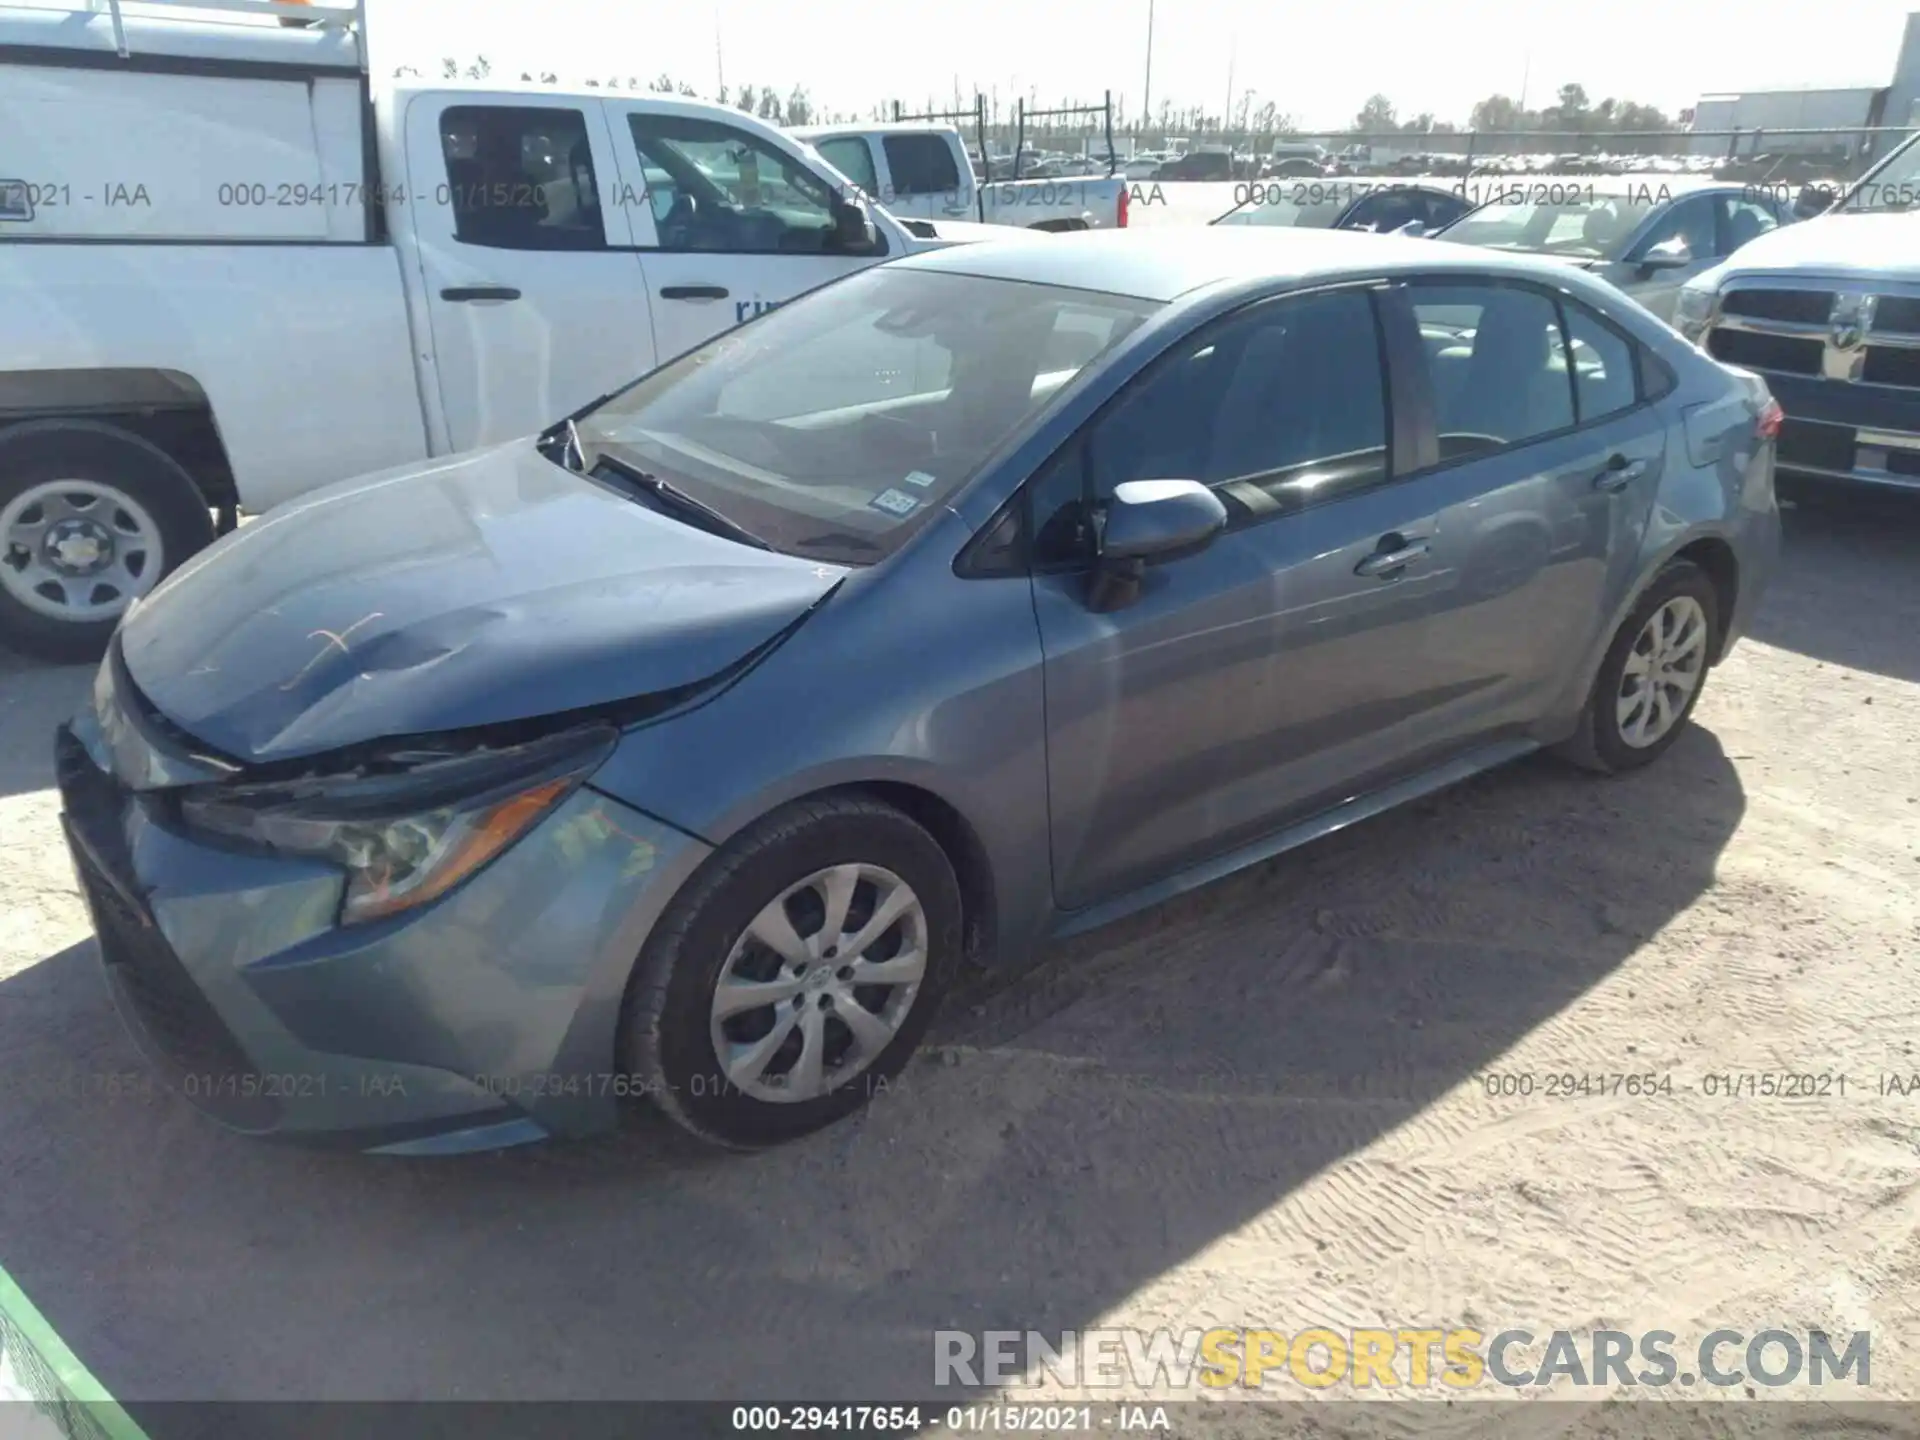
{"x": 535, "y": 302}
{"x": 729, "y": 220}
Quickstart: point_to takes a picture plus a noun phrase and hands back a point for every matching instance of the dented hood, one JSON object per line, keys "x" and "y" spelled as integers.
{"x": 491, "y": 587}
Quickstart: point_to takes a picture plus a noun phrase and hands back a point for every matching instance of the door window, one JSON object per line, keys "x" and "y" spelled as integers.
{"x": 1498, "y": 365}
{"x": 1603, "y": 365}
{"x": 1742, "y": 220}
{"x": 1277, "y": 408}
{"x": 921, "y": 165}
{"x": 521, "y": 177}
{"x": 730, "y": 190}
{"x": 1691, "y": 221}
{"x": 850, "y": 156}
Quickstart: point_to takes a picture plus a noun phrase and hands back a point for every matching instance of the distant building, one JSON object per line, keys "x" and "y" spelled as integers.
{"x": 1894, "y": 102}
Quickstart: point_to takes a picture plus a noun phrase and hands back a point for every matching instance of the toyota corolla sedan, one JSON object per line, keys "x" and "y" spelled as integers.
{"x": 1647, "y": 236}
{"x": 683, "y": 754}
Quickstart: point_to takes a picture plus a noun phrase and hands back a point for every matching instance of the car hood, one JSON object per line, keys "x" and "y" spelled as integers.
{"x": 487, "y": 588}
{"x": 1880, "y": 247}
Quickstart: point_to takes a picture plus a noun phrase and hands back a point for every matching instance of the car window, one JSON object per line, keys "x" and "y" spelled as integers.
{"x": 850, "y": 156}
{"x": 1498, "y": 365}
{"x": 521, "y": 177}
{"x": 1742, "y": 219}
{"x": 732, "y": 190}
{"x": 1276, "y": 408}
{"x": 1585, "y": 225}
{"x": 1444, "y": 209}
{"x": 1691, "y": 220}
{"x": 921, "y": 165}
{"x": 1603, "y": 364}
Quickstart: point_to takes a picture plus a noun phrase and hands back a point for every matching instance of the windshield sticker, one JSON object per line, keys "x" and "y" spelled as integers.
{"x": 920, "y": 478}
{"x": 894, "y": 502}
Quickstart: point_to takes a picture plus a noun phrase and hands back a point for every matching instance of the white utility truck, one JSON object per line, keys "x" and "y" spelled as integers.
{"x": 922, "y": 172}
{"x": 234, "y": 269}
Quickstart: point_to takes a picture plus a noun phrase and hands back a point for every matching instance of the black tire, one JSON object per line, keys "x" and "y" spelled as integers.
{"x": 1598, "y": 745}
{"x": 665, "y": 1034}
{"x": 41, "y": 450}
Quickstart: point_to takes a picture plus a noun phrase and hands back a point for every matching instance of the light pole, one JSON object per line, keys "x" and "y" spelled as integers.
{"x": 1146, "y": 113}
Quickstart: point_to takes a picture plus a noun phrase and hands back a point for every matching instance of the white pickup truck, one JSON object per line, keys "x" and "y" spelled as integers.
{"x": 233, "y": 270}
{"x": 921, "y": 172}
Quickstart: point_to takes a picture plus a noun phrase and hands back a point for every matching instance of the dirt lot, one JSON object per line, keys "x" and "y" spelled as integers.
{"x": 1259, "y": 1106}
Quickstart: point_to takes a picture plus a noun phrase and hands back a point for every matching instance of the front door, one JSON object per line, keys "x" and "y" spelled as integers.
{"x": 729, "y": 222}
{"x": 533, "y": 309}
{"x": 1690, "y": 222}
{"x": 1263, "y": 678}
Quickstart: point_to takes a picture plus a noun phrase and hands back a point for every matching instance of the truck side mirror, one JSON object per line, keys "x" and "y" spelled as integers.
{"x": 853, "y": 229}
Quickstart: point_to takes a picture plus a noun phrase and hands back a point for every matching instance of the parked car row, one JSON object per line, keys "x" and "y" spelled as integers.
{"x": 760, "y": 606}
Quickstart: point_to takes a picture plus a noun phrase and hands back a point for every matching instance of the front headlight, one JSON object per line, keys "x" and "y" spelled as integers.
{"x": 412, "y": 833}
{"x": 1693, "y": 310}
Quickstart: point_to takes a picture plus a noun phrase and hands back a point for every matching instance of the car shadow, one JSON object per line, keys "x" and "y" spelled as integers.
{"x": 1847, "y": 591}
{"x": 1070, "y": 1136}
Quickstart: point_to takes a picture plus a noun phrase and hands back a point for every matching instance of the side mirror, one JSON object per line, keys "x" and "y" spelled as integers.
{"x": 1150, "y": 522}
{"x": 1668, "y": 255}
{"x": 1813, "y": 200}
{"x": 853, "y": 230}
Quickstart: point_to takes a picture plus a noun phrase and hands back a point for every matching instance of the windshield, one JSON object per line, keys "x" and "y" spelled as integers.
{"x": 1286, "y": 207}
{"x": 834, "y": 427}
{"x": 1593, "y": 227}
{"x": 1894, "y": 186}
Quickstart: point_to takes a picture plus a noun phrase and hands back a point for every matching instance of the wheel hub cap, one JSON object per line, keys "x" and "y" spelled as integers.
{"x": 77, "y": 550}
{"x": 820, "y": 983}
{"x": 78, "y": 547}
{"x": 1662, "y": 672}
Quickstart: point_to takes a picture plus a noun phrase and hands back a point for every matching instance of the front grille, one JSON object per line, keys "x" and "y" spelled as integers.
{"x": 1888, "y": 365}
{"x": 184, "y": 1032}
{"x": 1816, "y": 446}
{"x": 1805, "y": 307}
{"x": 1897, "y": 313}
{"x": 1791, "y": 354}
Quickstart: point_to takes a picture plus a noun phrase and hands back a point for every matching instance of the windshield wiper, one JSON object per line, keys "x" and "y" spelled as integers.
{"x": 675, "y": 498}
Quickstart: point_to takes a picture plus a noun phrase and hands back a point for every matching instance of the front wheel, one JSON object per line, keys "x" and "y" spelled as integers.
{"x": 795, "y": 974}
{"x": 91, "y": 517}
{"x": 1652, "y": 675}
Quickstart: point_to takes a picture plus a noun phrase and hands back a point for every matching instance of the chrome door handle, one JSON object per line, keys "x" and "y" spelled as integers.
{"x": 1386, "y": 562}
{"x": 1620, "y": 473}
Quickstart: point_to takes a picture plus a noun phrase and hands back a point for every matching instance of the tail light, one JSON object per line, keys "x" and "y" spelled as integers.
{"x": 1771, "y": 416}
{"x": 1123, "y": 205}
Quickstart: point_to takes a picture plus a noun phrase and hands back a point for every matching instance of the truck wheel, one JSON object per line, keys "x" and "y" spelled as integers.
{"x": 91, "y": 516}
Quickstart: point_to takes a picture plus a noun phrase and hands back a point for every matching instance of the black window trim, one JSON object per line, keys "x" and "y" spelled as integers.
{"x": 1398, "y": 435}
{"x": 1558, "y": 297}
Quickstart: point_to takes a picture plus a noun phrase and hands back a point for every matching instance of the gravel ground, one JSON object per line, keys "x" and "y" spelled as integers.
{"x": 1261, "y": 1105}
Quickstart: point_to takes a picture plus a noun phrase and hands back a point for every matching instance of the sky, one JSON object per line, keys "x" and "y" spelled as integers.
{"x": 1317, "y": 63}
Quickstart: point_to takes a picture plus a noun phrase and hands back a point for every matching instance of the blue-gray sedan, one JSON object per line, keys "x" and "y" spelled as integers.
{"x": 684, "y": 753}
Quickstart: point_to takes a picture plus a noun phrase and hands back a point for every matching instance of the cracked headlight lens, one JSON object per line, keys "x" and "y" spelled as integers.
{"x": 409, "y": 835}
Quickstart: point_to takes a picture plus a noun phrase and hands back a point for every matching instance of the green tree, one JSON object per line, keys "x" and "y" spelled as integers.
{"x": 480, "y": 69}
{"x": 748, "y": 99}
{"x": 663, "y": 84}
{"x": 1376, "y": 117}
{"x": 1496, "y": 112}
{"x": 799, "y": 106}
{"x": 769, "y": 105}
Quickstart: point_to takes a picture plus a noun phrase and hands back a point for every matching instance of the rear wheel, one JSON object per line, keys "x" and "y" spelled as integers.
{"x": 1652, "y": 675}
{"x": 91, "y": 516}
{"x": 796, "y": 973}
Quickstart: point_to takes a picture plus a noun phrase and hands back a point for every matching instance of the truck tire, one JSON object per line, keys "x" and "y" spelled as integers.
{"x": 91, "y": 516}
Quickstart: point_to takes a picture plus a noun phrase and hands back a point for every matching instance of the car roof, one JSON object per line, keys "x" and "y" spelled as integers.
{"x": 1163, "y": 264}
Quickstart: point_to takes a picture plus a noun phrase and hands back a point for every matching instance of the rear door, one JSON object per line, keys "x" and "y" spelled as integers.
{"x": 534, "y": 306}
{"x": 1543, "y": 457}
{"x": 1286, "y": 665}
{"x": 729, "y": 221}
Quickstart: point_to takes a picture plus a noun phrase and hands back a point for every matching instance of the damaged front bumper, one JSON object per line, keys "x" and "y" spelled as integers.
{"x": 486, "y": 1017}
